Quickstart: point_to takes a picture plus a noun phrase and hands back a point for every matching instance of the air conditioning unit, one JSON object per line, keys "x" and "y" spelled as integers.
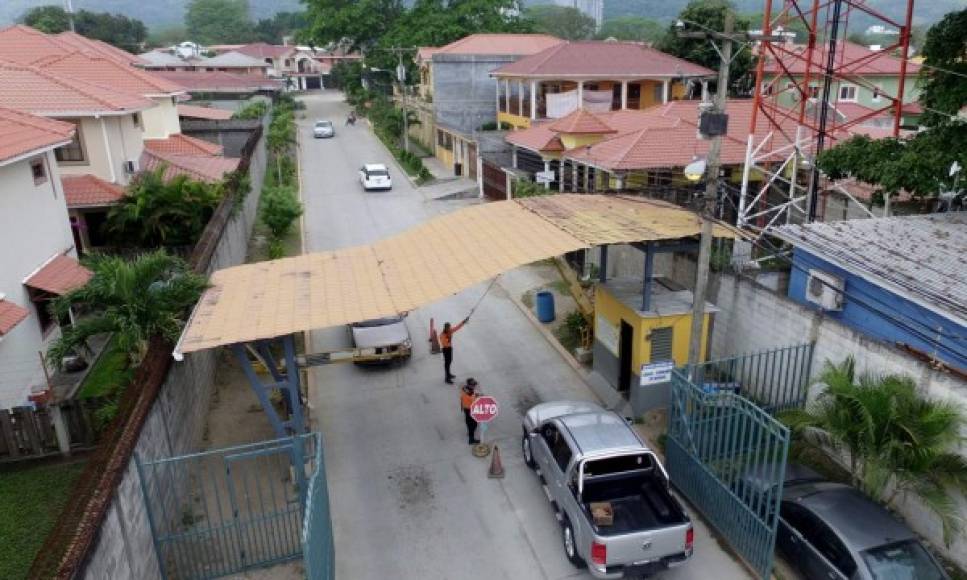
{"x": 825, "y": 290}
{"x": 131, "y": 166}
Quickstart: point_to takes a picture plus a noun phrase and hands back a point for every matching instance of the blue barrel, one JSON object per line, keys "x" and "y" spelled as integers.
{"x": 545, "y": 306}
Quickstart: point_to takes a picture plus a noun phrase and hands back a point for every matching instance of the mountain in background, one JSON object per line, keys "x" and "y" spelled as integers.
{"x": 161, "y": 13}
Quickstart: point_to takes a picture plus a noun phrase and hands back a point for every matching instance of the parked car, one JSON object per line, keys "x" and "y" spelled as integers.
{"x": 375, "y": 176}
{"x": 833, "y": 531}
{"x": 610, "y": 492}
{"x": 323, "y": 130}
{"x": 387, "y": 337}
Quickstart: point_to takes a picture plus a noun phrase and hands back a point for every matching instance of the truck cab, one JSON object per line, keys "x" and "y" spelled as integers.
{"x": 609, "y": 490}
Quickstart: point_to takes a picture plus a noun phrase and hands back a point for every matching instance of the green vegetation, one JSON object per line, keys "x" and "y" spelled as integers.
{"x": 116, "y": 29}
{"x": 896, "y": 441}
{"x": 633, "y": 28}
{"x": 524, "y": 188}
{"x": 571, "y": 332}
{"x": 561, "y": 21}
{"x": 218, "y": 21}
{"x": 109, "y": 375}
{"x": 31, "y": 498}
{"x": 158, "y": 212}
{"x": 279, "y": 206}
{"x": 135, "y": 299}
{"x": 254, "y": 110}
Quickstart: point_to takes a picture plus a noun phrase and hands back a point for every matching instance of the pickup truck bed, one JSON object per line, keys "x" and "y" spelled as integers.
{"x": 640, "y": 502}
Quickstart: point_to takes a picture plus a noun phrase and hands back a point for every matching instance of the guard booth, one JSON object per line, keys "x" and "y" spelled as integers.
{"x": 643, "y": 321}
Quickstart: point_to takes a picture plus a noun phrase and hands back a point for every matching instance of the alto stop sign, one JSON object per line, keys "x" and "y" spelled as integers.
{"x": 484, "y": 409}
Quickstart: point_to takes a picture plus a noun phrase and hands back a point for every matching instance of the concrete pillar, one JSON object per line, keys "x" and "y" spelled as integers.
{"x": 508, "y": 185}
{"x": 624, "y": 95}
{"x": 664, "y": 91}
{"x": 580, "y": 94}
{"x": 587, "y": 179}
{"x": 547, "y": 167}
{"x": 619, "y": 181}
{"x": 560, "y": 178}
{"x": 603, "y": 266}
{"x": 60, "y": 430}
{"x": 480, "y": 185}
{"x": 498, "y": 98}
{"x": 520, "y": 96}
{"x": 507, "y": 95}
{"x": 646, "y": 281}
{"x": 704, "y": 90}
{"x": 533, "y": 100}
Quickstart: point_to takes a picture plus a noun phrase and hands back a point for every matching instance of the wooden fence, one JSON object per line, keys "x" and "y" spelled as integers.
{"x": 29, "y": 433}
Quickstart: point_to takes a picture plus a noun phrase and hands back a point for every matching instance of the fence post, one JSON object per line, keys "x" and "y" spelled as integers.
{"x": 60, "y": 429}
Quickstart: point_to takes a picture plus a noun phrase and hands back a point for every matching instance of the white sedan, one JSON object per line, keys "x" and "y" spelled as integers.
{"x": 375, "y": 176}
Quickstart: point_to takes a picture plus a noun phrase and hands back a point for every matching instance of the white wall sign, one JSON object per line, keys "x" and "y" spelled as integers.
{"x": 544, "y": 177}
{"x": 606, "y": 333}
{"x": 657, "y": 372}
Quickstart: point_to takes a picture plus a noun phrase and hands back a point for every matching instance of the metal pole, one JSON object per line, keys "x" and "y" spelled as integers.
{"x": 708, "y": 202}
{"x": 814, "y": 176}
{"x": 406, "y": 124}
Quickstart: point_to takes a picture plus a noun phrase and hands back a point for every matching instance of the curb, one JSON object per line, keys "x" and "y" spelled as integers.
{"x": 396, "y": 161}
{"x": 567, "y": 356}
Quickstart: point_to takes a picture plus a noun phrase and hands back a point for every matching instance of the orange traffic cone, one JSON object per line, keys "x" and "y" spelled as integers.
{"x": 434, "y": 341}
{"x": 496, "y": 467}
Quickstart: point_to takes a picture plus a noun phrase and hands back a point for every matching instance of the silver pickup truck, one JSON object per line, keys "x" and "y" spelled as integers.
{"x": 589, "y": 458}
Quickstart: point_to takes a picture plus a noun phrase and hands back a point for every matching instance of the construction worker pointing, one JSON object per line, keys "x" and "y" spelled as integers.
{"x": 468, "y": 394}
{"x": 446, "y": 345}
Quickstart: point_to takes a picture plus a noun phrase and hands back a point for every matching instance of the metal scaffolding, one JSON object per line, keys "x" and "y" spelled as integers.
{"x": 784, "y": 140}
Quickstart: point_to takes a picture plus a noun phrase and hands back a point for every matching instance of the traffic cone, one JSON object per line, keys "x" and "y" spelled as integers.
{"x": 496, "y": 467}
{"x": 434, "y": 341}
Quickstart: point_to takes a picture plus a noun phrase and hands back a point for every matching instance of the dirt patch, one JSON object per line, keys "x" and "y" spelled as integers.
{"x": 235, "y": 416}
{"x": 414, "y": 485}
{"x": 525, "y": 397}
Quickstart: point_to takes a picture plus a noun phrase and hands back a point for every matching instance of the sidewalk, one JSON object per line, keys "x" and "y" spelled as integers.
{"x": 445, "y": 184}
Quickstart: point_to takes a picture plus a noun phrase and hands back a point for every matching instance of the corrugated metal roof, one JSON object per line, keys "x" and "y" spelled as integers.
{"x": 411, "y": 269}
{"x": 923, "y": 258}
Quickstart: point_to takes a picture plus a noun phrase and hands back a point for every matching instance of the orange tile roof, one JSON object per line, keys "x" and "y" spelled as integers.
{"x": 59, "y": 276}
{"x": 425, "y": 53}
{"x": 23, "y": 134}
{"x": 25, "y": 45}
{"x": 537, "y": 137}
{"x": 91, "y": 46}
{"x": 581, "y": 121}
{"x": 90, "y": 191}
{"x": 505, "y": 44}
{"x": 220, "y": 81}
{"x": 41, "y": 92}
{"x": 209, "y": 113}
{"x": 602, "y": 59}
{"x": 110, "y": 73}
{"x": 179, "y": 144}
{"x": 208, "y": 168}
{"x": 853, "y": 59}
{"x": 11, "y": 315}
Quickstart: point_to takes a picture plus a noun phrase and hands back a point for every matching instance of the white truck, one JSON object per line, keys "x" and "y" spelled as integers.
{"x": 610, "y": 492}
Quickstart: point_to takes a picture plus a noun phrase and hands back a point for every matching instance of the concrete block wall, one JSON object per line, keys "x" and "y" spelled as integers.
{"x": 175, "y": 425}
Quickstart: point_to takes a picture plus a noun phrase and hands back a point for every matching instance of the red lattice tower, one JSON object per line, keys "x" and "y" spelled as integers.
{"x": 793, "y": 116}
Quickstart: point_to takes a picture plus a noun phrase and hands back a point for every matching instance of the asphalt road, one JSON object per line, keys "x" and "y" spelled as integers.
{"x": 409, "y": 501}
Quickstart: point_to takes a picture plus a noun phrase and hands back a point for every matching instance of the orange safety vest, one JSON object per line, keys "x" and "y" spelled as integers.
{"x": 447, "y": 337}
{"x": 466, "y": 400}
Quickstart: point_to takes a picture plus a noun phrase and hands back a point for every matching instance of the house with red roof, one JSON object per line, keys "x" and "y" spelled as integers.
{"x": 598, "y": 76}
{"x": 37, "y": 250}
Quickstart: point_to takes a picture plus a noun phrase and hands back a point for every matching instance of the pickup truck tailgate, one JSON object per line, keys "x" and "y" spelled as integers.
{"x": 644, "y": 547}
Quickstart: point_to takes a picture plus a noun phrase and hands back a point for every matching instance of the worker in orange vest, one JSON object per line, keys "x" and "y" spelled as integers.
{"x": 446, "y": 345}
{"x": 468, "y": 394}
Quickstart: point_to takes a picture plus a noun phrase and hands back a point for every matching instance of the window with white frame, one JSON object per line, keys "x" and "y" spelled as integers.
{"x": 847, "y": 93}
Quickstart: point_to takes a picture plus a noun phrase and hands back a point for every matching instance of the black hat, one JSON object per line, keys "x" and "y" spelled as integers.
{"x": 471, "y": 382}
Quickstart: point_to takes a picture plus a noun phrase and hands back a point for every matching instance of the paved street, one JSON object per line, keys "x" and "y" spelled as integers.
{"x": 409, "y": 501}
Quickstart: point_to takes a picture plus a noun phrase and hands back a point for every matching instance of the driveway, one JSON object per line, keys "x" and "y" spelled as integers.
{"x": 409, "y": 501}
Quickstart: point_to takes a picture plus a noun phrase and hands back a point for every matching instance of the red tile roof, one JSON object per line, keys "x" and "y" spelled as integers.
{"x": 27, "y": 45}
{"x": 208, "y": 168}
{"x": 11, "y": 315}
{"x": 44, "y": 93}
{"x": 106, "y": 72}
{"x": 537, "y": 137}
{"x": 264, "y": 50}
{"x": 94, "y": 47}
{"x": 581, "y": 121}
{"x": 425, "y": 53}
{"x": 503, "y": 44}
{"x": 602, "y": 59}
{"x": 220, "y": 82}
{"x": 208, "y": 113}
{"x": 90, "y": 191}
{"x": 59, "y": 276}
{"x": 854, "y": 59}
{"x": 23, "y": 134}
{"x": 179, "y": 144}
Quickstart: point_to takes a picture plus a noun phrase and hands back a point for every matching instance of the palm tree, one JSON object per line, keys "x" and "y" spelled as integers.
{"x": 896, "y": 440}
{"x": 163, "y": 212}
{"x": 135, "y": 299}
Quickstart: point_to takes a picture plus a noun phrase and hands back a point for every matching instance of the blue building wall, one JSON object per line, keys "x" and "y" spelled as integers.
{"x": 879, "y": 313}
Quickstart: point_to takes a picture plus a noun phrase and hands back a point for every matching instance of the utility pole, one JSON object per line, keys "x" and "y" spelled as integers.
{"x": 401, "y": 77}
{"x": 69, "y": 9}
{"x": 713, "y": 167}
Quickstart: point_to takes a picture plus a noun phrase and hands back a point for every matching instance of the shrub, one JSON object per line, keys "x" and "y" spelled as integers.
{"x": 524, "y": 188}
{"x": 280, "y": 209}
{"x": 253, "y": 110}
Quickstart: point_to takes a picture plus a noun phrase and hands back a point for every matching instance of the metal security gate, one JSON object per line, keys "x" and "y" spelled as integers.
{"x": 224, "y": 511}
{"x": 728, "y": 457}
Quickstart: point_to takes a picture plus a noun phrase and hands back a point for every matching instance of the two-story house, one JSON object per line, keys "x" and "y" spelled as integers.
{"x": 37, "y": 254}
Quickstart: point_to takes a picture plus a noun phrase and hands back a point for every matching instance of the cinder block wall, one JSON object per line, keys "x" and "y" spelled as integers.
{"x": 125, "y": 548}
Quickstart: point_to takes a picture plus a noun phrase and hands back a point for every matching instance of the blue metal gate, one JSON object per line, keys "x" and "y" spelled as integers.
{"x": 224, "y": 511}
{"x": 728, "y": 457}
{"x": 318, "y": 549}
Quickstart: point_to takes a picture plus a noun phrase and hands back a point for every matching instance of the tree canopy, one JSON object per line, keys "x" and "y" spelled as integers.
{"x": 274, "y": 30}
{"x": 710, "y": 14}
{"x": 561, "y": 21}
{"x": 357, "y": 23}
{"x": 218, "y": 21}
{"x": 943, "y": 79}
{"x": 631, "y": 28}
{"x": 115, "y": 29}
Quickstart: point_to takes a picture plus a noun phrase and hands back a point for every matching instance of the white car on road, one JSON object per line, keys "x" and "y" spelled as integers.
{"x": 375, "y": 176}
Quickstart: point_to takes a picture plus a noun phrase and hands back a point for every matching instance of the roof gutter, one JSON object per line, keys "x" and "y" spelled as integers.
{"x": 33, "y": 152}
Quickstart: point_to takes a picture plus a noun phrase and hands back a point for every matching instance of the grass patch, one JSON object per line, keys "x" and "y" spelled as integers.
{"x": 31, "y": 499}
{"x": 110, "y": 373}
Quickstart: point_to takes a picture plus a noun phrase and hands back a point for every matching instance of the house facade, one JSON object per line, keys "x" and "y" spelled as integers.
{"x": 37, "y": 250}
{"x": 898, "y": 280}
